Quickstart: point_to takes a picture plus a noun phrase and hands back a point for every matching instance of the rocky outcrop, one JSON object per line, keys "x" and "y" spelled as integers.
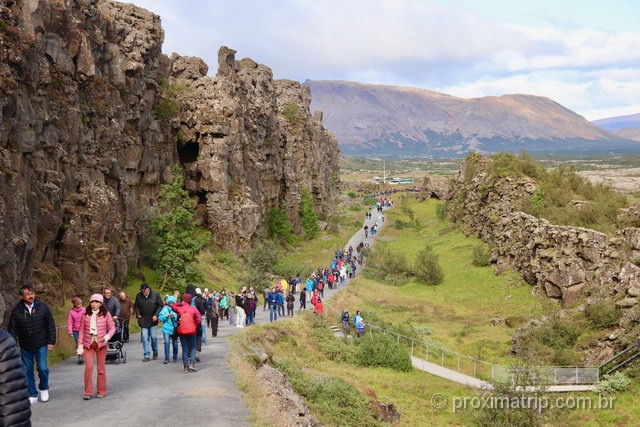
{"x": 562, "y": 262}
{"x": 250, "y": 144}
{"x": 81, "y": 153}
{"x": 88, "y": 136}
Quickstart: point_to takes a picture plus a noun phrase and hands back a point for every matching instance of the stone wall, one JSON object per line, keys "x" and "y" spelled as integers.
{"x": 562, "y": 262}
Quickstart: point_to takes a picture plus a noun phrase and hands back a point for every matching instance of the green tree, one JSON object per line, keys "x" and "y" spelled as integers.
{"x": 426, "y": 267}
{"x": 278, "y": 225}
{"x": 176, "y": 238}
{"x": 308, "y": 215}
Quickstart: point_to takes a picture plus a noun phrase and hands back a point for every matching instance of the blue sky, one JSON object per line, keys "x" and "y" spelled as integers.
{"x": 583, "y": 54}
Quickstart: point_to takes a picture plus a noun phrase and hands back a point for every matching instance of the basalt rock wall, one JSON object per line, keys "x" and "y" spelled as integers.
{"x": 563, "y": 262}
{"x": 84, "y": 153}
{"x": 250, "y": 144}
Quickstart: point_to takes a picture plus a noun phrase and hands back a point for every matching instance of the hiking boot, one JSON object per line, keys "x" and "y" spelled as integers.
{"x": 80, "y": 359}
{"x": 146, "y": 359}
{"x": 193, "y": 368}
{"x": 165, "y": 361}
{"x": 155, "y": 356}
{"x": 197, "y": 356}
{"x": 186, "y": 369}
{"x": 86, "y": 397}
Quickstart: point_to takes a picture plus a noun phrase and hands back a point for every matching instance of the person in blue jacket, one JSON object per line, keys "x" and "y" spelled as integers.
{"x": 169, "y": 319}
{"x": 273, "y": 305}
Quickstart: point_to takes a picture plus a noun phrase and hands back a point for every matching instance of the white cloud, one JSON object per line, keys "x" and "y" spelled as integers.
{"x": 481, "y": 48}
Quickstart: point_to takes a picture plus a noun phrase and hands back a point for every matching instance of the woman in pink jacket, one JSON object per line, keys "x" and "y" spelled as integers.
{"x": 96, "y": 329}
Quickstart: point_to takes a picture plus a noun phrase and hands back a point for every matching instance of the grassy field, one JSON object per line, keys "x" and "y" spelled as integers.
{"x": 457, "y": 313}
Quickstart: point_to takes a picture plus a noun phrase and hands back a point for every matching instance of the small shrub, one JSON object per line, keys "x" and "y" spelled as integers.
{"x": 336, "y": 402}
{"x": 379, "y": 350}
{"x": 426, "y": 267}
{"x": 352, "y": 195}
{"x": 293, "y": 114}
{"x": 611, "y": 384}
{"x": 603, "y": 314}
{"x": 481, "y": 255}
{"x": 441, "y": 211}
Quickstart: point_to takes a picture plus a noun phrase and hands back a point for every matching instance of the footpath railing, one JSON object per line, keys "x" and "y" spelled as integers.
{"x": 491, "y": 372}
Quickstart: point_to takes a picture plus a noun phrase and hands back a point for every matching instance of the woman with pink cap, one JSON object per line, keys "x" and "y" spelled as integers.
{"x": 96, "y": 329}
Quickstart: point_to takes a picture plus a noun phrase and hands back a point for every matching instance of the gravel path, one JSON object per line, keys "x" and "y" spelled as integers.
{"x": 153, "y": 393}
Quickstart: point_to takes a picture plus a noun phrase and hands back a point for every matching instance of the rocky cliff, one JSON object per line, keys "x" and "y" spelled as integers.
{"x": 85, "y": 148}
{"x": 249, "y": 145}
{"x": 570, "y": 264}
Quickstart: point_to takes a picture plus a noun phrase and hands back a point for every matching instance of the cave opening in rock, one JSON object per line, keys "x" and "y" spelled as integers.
{"x": 188, "y": 152}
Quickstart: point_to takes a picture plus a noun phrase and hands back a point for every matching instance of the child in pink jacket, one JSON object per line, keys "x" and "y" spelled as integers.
{"x": 96, "y": 329}
{"x": 74, "y": 320}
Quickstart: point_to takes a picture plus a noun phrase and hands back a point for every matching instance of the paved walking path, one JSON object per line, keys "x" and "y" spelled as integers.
{"x": 153, "y": 393}
{"x": 450, "y": 374}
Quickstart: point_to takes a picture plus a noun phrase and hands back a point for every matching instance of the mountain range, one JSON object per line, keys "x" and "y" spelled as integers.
{"x": 370, "y": 119}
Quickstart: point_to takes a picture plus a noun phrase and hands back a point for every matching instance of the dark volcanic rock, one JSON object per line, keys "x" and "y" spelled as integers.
{"x": 83, "y": 151}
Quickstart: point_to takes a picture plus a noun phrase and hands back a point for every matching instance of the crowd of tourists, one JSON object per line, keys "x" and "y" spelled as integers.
{"x": 183, "y": 318}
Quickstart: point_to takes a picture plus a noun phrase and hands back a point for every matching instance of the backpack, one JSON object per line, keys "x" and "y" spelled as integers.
{"x": 187, "y": 324}
{"x": 320, "y": 285}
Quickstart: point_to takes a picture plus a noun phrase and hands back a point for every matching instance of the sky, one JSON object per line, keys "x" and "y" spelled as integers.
{"x": 584, "y": 54}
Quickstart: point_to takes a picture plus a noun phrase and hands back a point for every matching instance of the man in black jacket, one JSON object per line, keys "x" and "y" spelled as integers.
{"x": 32, "y": 324}
{"x": 15, "y": 409}
{"x": 148, "y": 305}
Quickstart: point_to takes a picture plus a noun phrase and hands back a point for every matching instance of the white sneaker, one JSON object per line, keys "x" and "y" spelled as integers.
{"x": 33, "y": 400}
{"x": 44, "y": 395}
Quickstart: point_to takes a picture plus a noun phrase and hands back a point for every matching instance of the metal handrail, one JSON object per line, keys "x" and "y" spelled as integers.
{"x": 554, "y": 374}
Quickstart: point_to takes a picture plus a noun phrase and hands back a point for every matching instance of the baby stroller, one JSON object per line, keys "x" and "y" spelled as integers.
{"x": 115, "y": 352}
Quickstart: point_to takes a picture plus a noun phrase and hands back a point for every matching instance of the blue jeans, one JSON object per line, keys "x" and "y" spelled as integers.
{"x": 40, "y": 356}
{"x": 188, "y": 343}
{"x": 76, "y": 335}
{"x": 251, "y": 318}
{"x": 204, "y": 330}
{"x": 273, "y": 312}
{"x": 167, "y": 346}
{"x": 145, "y": 333}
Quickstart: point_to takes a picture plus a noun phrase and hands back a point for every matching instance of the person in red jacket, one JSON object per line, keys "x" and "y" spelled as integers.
{"x": 96, "y": 329}
{"x": 188, "y": 321}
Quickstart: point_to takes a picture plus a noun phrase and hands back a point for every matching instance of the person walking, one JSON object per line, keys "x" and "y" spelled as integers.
{"x": 74, "y": 321}
{"x": 96, "y": 330}
{"x": 303, "y": 299}
{"x": 15, "y": 408}
{"x": 216, "y": 314}
{"x": 265, "y": 293}
{"x": 189, "y": 318}
{"x": 345, "y": 320}
{"x": 31, "y": 324}
{"x": 291, "y": 299}
{"x": 111, "y": 303}
{"x": 169, "y": 320}
{"x": 273, "y": 305}
{"x": 240, "y": 309}
{"x": 198, "y": 303}
{"x": 250, "y": 308}
{"x": 126, "y": 311}
{"x": 148, "y": 305}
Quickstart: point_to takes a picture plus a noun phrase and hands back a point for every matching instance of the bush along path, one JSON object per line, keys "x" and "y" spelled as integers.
{"x": 162, "y": 394}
